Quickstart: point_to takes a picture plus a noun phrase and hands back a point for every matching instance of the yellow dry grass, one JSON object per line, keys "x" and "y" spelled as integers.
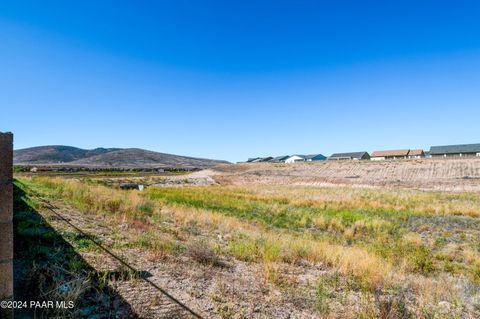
{"x": 267, "y": 245}
{"x": 341, "y": 197}
{"x": 256, "y": 242}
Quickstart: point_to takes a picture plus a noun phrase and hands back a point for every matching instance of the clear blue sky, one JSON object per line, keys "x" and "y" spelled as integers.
{"x": 237, "y": 79}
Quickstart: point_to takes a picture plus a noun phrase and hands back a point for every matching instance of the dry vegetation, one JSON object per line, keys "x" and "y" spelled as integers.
{"x": 316, "y": 251}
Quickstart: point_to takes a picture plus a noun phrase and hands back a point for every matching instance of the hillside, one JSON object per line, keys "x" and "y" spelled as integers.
{"x": 427, "y": 174}
{"x": 54, "y": 155}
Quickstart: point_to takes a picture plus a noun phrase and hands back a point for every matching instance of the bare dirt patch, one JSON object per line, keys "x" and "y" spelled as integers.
{"x": 457, "y": 175}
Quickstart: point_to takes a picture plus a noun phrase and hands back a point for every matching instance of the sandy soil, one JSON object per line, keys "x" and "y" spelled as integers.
{"x": 456, "y": 175}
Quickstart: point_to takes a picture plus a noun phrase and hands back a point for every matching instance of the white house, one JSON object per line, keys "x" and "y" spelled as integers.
{"x": 294, "y": 158}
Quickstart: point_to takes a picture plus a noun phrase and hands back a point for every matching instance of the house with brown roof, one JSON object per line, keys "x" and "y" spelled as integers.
{"x": 413, "y": 154}
{"x": 396, "y": 154}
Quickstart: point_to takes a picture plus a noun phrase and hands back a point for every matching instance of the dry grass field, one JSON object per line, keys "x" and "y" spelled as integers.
{"x": 321, "y": 240}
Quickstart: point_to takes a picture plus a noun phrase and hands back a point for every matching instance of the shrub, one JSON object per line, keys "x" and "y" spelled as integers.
{"x": 203, "y": 254}
{"x": 421, "y": 260}
{"x": 146, "y": 208}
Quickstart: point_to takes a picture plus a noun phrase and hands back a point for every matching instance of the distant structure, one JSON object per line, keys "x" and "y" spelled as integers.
{"x": 462, "y": 150}
{"x": 140, "y": 187}
{"x": 294, "y": 158}
{"x": 259, "y": 159}
{"x": 414, "y": 154}
{"x": 349, "y": 156}
{"x": 288, "y": 158}
{"x": 313, "y": 157}
{"x": 280, "y": 159}
{"x": 389, "y": 155}
{"x": 397, "y": 154}
{"x": 305, "y": 158}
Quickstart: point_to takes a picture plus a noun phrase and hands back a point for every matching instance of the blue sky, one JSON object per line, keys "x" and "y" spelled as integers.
{"x": 237, "y": 79}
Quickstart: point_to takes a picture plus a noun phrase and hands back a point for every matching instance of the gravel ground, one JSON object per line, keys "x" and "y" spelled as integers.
{"x": 236, "y": 290}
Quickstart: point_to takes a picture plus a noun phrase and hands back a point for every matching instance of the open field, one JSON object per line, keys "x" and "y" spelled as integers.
{"x": 294, "y": 241}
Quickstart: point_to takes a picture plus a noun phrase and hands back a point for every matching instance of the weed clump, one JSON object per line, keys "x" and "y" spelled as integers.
{"x": 203, "y": 254}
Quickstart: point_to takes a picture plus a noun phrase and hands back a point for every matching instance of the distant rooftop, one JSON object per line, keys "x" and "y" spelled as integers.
{"x": 416, "y": 153}
{"x": 454, "y": 149}
{"x": 348, "y": 155}
{"x": 281, "y": 158}
{"x": 312, "y": 156}
{"x": 390, "y": 153}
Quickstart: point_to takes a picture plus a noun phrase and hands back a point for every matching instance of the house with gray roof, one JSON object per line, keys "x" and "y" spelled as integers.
{"x": 305, "y": 158}
{"x": 280, "y": 159}
{"x": 313, "y": 157}
{"x": 349, "y": 156}
{"x": 259, "y": 159}
{"x": 461, "y": 150}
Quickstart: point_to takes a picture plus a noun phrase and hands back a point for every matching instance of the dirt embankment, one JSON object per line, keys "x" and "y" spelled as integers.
{"x": 425, "y": 174}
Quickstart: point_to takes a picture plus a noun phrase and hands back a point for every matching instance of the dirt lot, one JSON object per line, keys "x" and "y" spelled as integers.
{"x": 426, "y": 174}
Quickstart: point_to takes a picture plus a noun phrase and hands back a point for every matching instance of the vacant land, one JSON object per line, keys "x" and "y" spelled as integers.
{"x": 427, "y": 174}
{"x": 280, "y": 241}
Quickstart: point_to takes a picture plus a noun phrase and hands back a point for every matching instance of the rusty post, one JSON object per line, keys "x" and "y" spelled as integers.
{"x": 6, "y": 221}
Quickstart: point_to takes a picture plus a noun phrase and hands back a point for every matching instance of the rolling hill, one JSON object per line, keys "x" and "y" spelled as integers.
{"x": 59, "y": 155}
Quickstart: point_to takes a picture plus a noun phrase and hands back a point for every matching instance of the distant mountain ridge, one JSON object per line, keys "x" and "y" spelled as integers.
{"x": 106, "y": 157}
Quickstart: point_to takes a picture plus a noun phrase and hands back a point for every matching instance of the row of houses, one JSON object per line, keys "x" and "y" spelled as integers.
{"x": 462, "y": 150}
{"x": 288, "y": 158}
